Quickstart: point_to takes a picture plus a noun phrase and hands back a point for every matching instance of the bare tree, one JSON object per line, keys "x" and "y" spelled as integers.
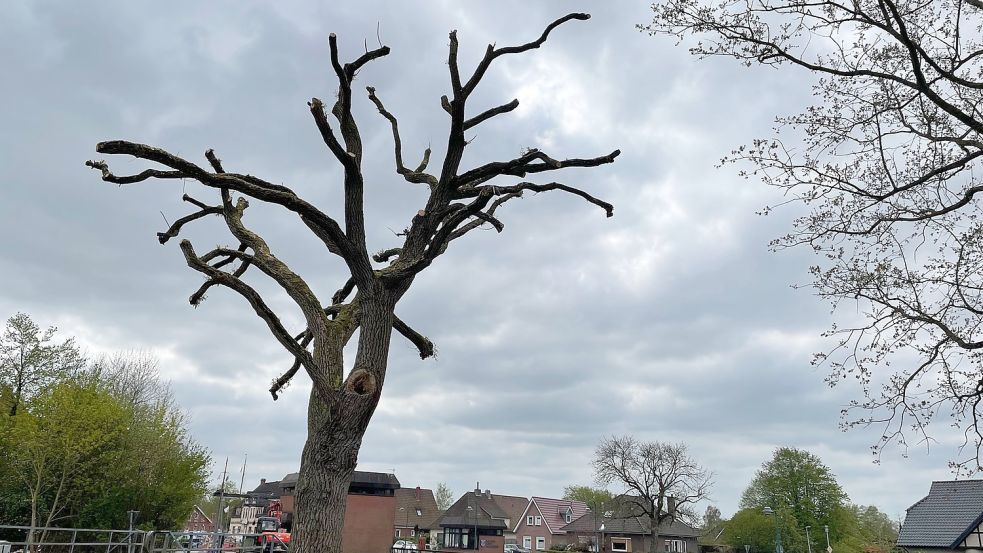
{"x": 886, "y": 164}
{"x": 460, "y": 200}
{"x": 30, "y": 358}
{"x": 661, "y": 482}
{"x": 444, "y": 496}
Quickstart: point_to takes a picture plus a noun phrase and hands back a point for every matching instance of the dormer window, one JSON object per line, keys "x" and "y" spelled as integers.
{"x": 569, "y": 516}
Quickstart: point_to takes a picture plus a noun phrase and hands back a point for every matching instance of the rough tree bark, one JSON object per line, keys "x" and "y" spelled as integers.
{"x": 460, "y": 201}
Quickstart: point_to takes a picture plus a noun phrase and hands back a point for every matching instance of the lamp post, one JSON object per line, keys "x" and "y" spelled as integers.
{"x": 829, "y": 548}
{"x": 808, "y": 540}
{"x": 778, "y": 531}
{"x": 600, "y": 545}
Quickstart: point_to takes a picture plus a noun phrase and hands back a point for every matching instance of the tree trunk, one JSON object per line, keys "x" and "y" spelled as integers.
{"x": 336, "y": 427}
{"x": 654, "y": 529}
{"x": 326, "y": 467}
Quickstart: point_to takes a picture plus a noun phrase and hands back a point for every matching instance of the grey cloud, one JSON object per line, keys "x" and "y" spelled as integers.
{"x": 670, "y": 320}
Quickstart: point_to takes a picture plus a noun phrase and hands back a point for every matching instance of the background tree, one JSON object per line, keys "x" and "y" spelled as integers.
{"x": 797, "y": 482}
{"x": 86, "y": 449}
{"x": 753, "y": 527}
{"x": 593, "y": 497}
{"x": 712, "y": 521}
{"x": 30, "y": 358}
{"x": 70, "y": 433}
{"x": 444, "y": 496}
{"x": 661, "y": 482}
{"x": 460, "y": 200}
{"x": 886, "y": 164}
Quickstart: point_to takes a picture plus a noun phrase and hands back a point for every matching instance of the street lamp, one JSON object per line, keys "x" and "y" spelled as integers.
{"x": 829, "y": 548}
{"x": 808, "y": 539}
{"x": 778, "y": 531}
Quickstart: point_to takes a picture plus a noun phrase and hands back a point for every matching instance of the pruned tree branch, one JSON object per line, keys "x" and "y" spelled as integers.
{"x": 488, "y": 114}
{"x": 418, "y": 176}
{"x": 422, "y": 343}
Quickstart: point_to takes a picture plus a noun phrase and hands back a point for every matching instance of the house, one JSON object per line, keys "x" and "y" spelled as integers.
{"x": 257, "y": 503}
{"x": 198, "y": 521}
{"x": 287, "y": 486}
{"x": 370, "y": 512}
{"x": 545, "y": 518}
{"x": 513, "y": 506}
{"x": 628, "y": 534}
{"x": 416, "y": 512}
{"x": 475, "y": 521}
{"x": 948, "y": 518}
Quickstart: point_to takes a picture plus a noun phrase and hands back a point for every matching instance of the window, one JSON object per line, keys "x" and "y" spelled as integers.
{"x": 397, "y": 533}
{"x": 419, "y": 513}
{"x": 529, "y": 521}
{"x": 458, "y": 538}
{"x": 540, "y": 542}
{"x": 621, "y": 544}
{"x": 569, "y": 517}
{"x": 527, "y": 542}
{"x": 676, "y": 546}
{"x": 539, "y": 521}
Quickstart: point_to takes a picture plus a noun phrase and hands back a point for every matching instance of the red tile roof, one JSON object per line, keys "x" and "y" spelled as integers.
{"x": 554, "y": 511}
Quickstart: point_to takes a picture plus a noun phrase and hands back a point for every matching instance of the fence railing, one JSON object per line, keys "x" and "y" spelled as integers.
{"x": 26, "y": 539}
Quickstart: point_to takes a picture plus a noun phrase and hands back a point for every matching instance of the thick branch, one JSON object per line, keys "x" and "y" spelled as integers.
{"x": 522, "y": 186}
{"x": 175, "y": 229}
{"x": 108, "y": 176}
{"x": 492, "y": 53}
{"x": 524, "y": 164}
{"x": 254, "y": 299}
{"x": 324, "y": 226}
{"x": 422, "y": 343}
{"x": 482, "y": 117}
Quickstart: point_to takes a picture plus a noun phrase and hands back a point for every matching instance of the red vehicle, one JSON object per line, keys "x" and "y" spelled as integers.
{"x": 270, "y": 537}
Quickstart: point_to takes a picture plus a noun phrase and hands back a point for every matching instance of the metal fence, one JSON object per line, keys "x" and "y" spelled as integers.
{"x": 26, "y": 539}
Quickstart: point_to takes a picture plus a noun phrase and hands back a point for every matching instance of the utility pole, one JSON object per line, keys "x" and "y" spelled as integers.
{"x": 218, "y": 516}
{"x": 242, "y": 480}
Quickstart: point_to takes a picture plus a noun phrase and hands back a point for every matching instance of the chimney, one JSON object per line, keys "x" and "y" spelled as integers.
{"x": 671, "y": 506}
{"x": 477, "y": 488}
{"x": 262, "y": 481}
{"x": 488, "y": 494}
{"x": 418, "y": 493}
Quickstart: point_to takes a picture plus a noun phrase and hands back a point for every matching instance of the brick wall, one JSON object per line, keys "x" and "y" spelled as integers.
{"x": 369, "y": 521}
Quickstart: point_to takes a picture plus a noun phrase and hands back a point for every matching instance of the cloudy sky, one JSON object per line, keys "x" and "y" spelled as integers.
{"x": 670, "y": 321}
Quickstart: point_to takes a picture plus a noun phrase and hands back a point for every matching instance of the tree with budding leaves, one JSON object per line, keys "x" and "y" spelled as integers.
{"x": 886, "y": 167}
{"x": 460, "y": 200}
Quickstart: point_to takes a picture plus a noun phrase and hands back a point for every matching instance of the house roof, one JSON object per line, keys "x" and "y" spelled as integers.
{"x": 513, "y": 505}
{"x": 266, "y": 489}
{"x": 951, "y": 510}
{"x": 409, "y": 502}
{"x": 628, "y": 525}
{"x": 359, "y": 479}
{"x": 554, "y": 511}
{"x": 201, "y": 513}
{"x": 475, "y": 509}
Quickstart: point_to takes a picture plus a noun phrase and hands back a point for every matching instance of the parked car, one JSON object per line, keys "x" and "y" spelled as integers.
{"x": 404, "y": 544}
{"x": 514, "y": 548}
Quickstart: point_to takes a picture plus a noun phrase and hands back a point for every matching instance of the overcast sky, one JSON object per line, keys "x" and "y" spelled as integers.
{"x": 670, "y": 321}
